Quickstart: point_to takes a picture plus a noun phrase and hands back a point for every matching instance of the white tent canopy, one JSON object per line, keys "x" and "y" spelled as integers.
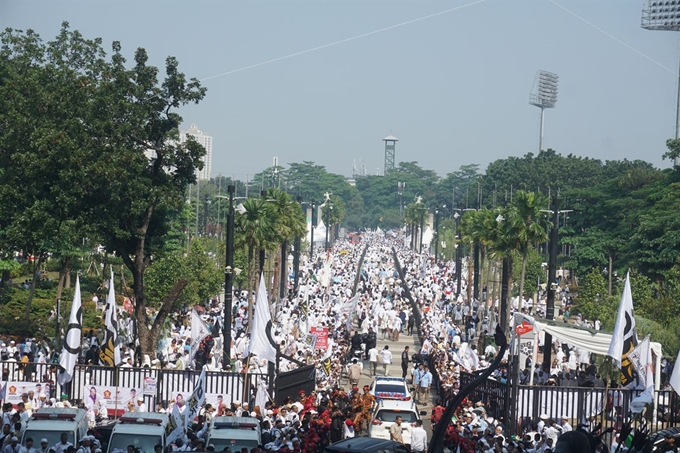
{"x": 427, "y": 236}
{"x": 593, "y": 341}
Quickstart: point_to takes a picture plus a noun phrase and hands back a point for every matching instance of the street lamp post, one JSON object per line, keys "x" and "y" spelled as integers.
{"x": 228, "y": 282}
{"x": 436, "y": 234}
{"x": 296, "y": 256}
{"x": 328, "y": 226}
{"x": 311, "y": 237}
{"x": 400, "y": 190}
{"x": 459, "y": 254}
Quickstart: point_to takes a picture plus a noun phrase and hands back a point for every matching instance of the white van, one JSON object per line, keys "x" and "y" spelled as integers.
{"x": 386, "y": 414}
{"x": 143, "y": 430}
{"x": 235, "y": 433}
{"x": 51, "y": 422}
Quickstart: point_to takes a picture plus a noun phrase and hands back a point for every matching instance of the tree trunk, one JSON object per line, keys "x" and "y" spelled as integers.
{"x": 610, "y": 274}
{"x": 63, "y": 274}
{"x": 251, "y": 282}
{"x": 27, "y": 310}
{"x": 525, "y": 257}
{"x": 469, "y": 285}
{"x": 274, "y": 294}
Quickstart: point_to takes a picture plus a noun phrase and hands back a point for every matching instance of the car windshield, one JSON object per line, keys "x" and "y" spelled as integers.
{"x": 387, "y": 415}
{"x": 53, "y": 437}
{"x": 142, "y": 443}
{"x": 234, "y": 444}
{"x": 389, "y": 388}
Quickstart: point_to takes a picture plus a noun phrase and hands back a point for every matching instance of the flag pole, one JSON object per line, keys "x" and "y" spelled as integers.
{"x": 246, "y": 383}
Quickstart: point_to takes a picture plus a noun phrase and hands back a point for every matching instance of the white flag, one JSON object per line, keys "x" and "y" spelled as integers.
{"x": 262, "y": 395}
{"x": 72, "y": 340}
{"x": 198, "y": 332}
{"x": 196, "y": 401}
{"x": 109, "y": 354}
{"x": 675, "y": 376}
{"x": 641, "y": 358}
{"x": 175, "y": 428}
{"x": 259, "y": 343}
{"x": 624, "y": 338}
{"x": 348, "y": 308}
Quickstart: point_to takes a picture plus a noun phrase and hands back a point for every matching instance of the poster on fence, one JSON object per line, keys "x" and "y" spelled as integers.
{"x": 149, "y": 386}
{"x": 115, "y": 399}
{"x": 219, "y": 400}
{"x": 16, "y": 389}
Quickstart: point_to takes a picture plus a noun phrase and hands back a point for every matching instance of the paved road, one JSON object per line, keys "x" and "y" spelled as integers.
{"x": 413, "y": 342}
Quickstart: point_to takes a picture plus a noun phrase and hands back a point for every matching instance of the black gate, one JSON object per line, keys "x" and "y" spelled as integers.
{"x": 291, "y": 382}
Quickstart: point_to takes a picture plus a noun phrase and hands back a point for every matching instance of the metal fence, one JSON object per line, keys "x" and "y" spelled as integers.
{"x": 168, "y": 383}
{"x": 577, "y": 404}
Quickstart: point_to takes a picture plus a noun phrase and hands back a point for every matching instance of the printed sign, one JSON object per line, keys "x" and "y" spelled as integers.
{"x": 321, "y": 337}
{"x": 150, "y": 386}
{"x": 14, "y": 390}
{"x": 114, "y": 399}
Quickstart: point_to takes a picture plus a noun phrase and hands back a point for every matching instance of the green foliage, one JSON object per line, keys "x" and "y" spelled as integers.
{"x": 592, "y": 300}
{"x": 667, "y": 336}
{"x": 197, "y": 267}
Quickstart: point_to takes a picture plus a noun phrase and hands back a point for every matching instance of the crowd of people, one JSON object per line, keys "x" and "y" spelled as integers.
{"x": 354, "y": 312}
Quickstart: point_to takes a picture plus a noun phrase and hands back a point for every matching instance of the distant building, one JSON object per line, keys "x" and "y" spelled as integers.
{"x": 206, "y": 141}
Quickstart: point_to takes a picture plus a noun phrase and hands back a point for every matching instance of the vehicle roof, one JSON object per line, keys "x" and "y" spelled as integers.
{"x": 397, "y": 404}
{"x": 389, "y": 378}
{"x": 79, "y": 413}
{"x": 52, "y": 425}
{"x": 232, "y": 419}
{"x": 357, "y": 444}
{"x": 141, "y": 428}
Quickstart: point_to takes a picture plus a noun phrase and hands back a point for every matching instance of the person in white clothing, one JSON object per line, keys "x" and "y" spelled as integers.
{"x": 373, "y": 359}
{"x": 386, "y": 356}
{"x": 418, "y": 438}
{"x": 141, "y": 405}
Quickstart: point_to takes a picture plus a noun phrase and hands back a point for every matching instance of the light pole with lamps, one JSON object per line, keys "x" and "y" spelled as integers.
{"x": 228, "y": 282}
{"x": 544, "y": 96}
{"x": 400, "y": 190}
{"x": 329, "y": 210}
{"x": 459, "y": 252}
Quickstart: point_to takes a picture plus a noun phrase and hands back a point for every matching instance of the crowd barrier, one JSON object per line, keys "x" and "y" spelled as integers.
{"x": 577, "y": 404}
{"x": 119, "y": 385}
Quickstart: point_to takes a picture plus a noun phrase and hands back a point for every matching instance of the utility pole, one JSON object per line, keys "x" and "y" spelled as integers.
{"x": 552, "y": 276}
{"x": 228, "y": 283}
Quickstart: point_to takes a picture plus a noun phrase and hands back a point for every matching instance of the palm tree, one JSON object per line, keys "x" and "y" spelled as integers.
{"x": 256, "y": 228}
{"x": 527, "y": 226}
{"x": 290, "y": 223}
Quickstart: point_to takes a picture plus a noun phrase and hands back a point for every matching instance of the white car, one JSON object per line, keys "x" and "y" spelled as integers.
{"x": 386, "y": 414}
{"x": 390, "y": 388}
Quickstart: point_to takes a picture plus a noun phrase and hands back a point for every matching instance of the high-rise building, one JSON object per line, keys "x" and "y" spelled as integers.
{"x": 206, "y": 141}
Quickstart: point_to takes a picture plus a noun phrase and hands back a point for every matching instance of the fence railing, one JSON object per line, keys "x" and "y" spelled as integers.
{"x": 577, "y": 404}
{"x": 155, "y": 385}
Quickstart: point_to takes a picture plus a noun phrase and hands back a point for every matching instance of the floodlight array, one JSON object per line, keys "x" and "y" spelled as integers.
{"x": 544, "y": 94}
{"x": 661, "y": 15}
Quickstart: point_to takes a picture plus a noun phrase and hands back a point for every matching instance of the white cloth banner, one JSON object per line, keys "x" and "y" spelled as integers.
{"x": 624, "y": 338}
{"x": 259, "y": 343}
{"x": 675, "y": 376}
{"x": 198, "y": 332}
{"x": 196, "y": 400}
{"x": 73, "y": 338}
{"x": 175, "y": 428}
{"x": 559, "y": 403}
{"x": 109, "y": 355}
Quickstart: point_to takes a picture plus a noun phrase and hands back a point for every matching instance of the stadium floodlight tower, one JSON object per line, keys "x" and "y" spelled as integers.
{"x": 544, "y": 96}
{"x": 664, "y": 15}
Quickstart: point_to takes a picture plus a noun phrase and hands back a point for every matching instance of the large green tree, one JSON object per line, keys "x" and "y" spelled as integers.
{"x": 100, "y": 143}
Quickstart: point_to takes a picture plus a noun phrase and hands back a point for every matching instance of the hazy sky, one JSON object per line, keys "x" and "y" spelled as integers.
{"x": 453, "y": 87}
